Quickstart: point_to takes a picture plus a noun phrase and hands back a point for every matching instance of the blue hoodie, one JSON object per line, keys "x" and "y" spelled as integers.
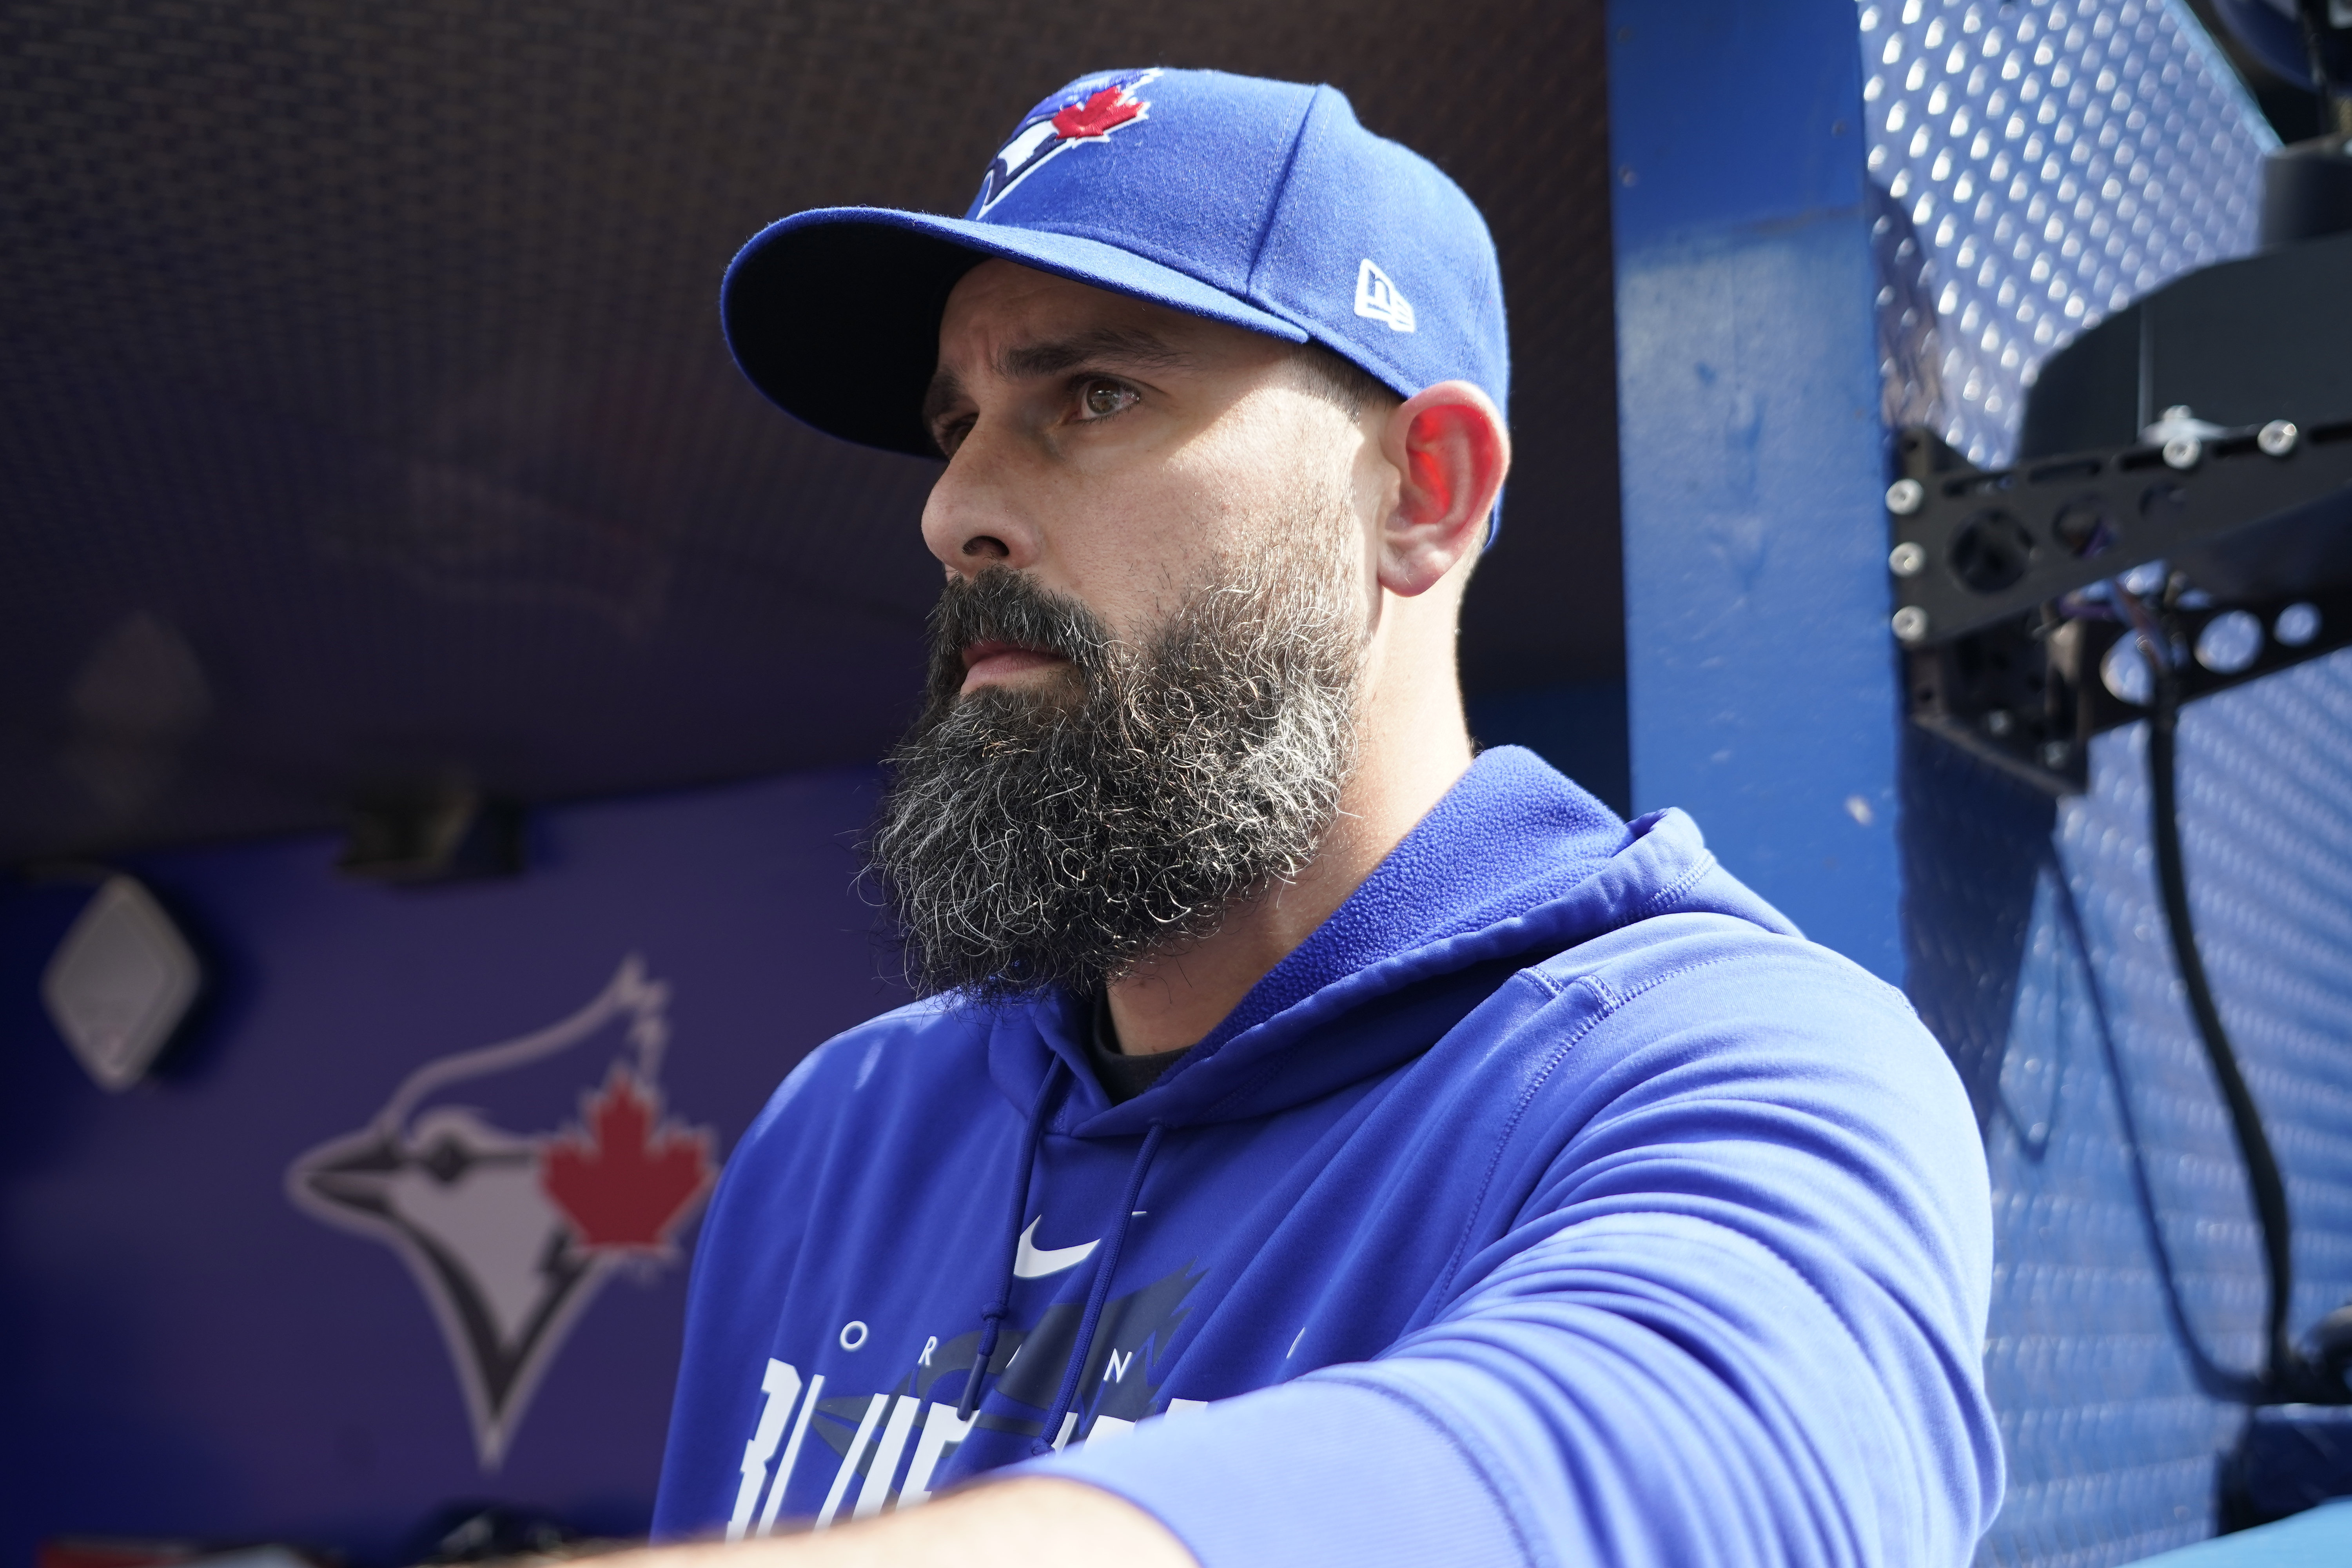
{"x": 1554, "y": 1203}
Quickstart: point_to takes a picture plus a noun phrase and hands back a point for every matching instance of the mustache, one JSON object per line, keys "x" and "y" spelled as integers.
{"x": 1002, "y": 605}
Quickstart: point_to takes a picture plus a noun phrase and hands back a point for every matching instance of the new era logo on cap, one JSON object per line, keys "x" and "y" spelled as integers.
{"x": 1379, "y": 300}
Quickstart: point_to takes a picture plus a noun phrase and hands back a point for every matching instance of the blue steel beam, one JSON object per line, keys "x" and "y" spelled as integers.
{"x": 1759, "y": 674}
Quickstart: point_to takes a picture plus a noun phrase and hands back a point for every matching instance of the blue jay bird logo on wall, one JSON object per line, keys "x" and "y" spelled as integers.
{"x": 512, "y": 1234}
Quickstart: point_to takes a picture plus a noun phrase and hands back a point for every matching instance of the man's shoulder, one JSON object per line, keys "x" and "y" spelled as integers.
{"x": 1697, "y": 1027}
{"x": 1715, "y": 985}
{"x": 928, "y": 1042}
{"x": 1709, "y": 952}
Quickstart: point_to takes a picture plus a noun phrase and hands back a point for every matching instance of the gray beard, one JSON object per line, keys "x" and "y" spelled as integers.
{"x": 1032, "y": 839}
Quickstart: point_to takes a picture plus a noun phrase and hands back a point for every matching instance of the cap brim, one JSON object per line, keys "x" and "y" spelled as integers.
{"x": 834, "y": 313}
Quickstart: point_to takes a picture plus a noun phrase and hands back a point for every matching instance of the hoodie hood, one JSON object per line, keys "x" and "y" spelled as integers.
{"x": 1516, "y": 863}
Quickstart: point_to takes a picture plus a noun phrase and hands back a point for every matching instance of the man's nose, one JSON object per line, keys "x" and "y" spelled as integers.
{"x": 973, "y": 520}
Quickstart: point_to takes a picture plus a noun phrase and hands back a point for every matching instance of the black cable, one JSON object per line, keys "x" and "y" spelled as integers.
{"x": 2285, "y": 1374}
{"x": 2213, "y": 1379}
{"x": 2245, "y": 1119}
{"x": 2312, "y": 19}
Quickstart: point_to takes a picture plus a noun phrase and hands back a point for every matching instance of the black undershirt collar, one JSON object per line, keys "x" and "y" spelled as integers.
{"x": 1122, "y": 1076}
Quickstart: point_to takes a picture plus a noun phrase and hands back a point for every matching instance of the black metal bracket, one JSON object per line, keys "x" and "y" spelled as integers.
{"x": 2242, "y": 539}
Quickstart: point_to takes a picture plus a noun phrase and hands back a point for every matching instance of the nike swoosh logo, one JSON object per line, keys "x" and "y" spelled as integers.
{"x": 1030, "y": 1263}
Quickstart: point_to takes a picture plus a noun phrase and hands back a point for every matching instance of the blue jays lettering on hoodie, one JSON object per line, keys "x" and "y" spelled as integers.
{"x": 1554, "y": 1203}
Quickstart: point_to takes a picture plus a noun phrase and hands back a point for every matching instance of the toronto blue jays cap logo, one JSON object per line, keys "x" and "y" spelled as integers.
{"x": 1086, "y": 111}
{"x": 512, "y": 1234}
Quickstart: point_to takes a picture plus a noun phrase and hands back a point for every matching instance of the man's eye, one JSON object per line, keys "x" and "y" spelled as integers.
{"x": 1105, "y": 398}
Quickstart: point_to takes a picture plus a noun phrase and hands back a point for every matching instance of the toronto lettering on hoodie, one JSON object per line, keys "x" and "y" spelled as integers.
{"x": 1554, "y": 1202}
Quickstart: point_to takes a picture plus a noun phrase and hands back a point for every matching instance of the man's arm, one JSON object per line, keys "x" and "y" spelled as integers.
{"x": 1030, "y": 1521}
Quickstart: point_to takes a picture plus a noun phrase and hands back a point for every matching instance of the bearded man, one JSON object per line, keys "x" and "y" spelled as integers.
{"x": 1319, "y": 1143}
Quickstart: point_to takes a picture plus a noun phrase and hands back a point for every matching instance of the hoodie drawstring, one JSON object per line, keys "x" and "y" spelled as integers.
{"x": 1105, "y": 1263}
{"x": 992, "y": 1319}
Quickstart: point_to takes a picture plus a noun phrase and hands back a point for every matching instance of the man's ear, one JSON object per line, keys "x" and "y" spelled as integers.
{"x": 1451, "y": 450}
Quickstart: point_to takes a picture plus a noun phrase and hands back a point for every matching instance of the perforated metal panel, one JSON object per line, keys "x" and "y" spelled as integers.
{"x": 2113, "y": 1164}
{"x": 2041, "y": 165}
{"x": 2053, "y": 163}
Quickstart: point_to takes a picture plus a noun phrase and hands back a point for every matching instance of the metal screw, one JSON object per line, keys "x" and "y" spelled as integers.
{"x": 1904, "y": 497}
{"x": 2296, "y": 624}
{"x": 1910, "y": 623}
{"x": 1998, "y": 722}
{"x": 2056, "y": 754}
{"x": 2278, "y": 437}
{"x": 1906, "y": 559}
{"x": 2183, "y": 452}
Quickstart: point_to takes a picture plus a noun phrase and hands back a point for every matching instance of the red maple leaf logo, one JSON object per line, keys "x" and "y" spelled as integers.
{"x": 1100, "y": 115}
{"x": 628, "y": 1183}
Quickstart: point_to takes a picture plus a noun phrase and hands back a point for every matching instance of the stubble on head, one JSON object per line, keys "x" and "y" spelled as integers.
{"x": 1060, "y": 833}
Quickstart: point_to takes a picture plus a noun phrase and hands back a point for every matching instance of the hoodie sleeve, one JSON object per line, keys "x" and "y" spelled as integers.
{"x": 1734, "y": 1315}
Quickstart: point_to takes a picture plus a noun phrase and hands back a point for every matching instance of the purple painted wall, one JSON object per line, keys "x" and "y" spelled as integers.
{"x": 185, "y": 1351}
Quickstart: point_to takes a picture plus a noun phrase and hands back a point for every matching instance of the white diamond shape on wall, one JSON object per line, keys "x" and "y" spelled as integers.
{"x": 120, "y": 983}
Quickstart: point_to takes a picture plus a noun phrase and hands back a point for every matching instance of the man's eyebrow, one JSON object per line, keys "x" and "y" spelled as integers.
{"x": 1113, "y": 347}
{"x": 1126, "y": 346}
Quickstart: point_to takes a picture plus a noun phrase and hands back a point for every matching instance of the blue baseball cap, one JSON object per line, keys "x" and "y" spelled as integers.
{"x": 1261, "y": 204}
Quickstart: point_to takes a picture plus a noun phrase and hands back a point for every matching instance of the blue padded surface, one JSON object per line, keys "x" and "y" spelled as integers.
{"x": 2040, "y": 167}
{"x": 2320, "y": 1539}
